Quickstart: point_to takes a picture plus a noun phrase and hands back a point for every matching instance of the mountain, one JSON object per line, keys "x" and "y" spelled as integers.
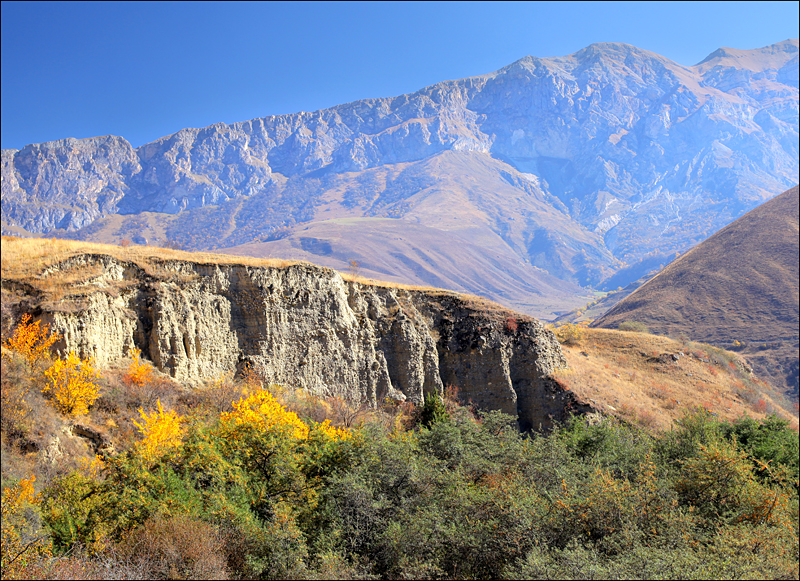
{"x": 739, "y": 289}
{"x": 558, "y": 172}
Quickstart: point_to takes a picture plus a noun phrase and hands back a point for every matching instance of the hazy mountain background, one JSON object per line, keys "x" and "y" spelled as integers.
{"x": 738, "y": 290}
{"x": 534, "y": 185}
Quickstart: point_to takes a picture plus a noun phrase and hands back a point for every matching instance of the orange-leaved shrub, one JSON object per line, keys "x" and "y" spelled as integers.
{"x": 139, "y": 373}
{"x": 31, "y": 340}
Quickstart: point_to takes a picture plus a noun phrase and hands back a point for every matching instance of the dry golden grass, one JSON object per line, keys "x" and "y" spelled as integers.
{"x": 28, "y": 260}
{"x": 28, "y": 257}
{"x": 738, "y": 288}
{"x": 620, "y": 373}
{"x": 474, "y": 302}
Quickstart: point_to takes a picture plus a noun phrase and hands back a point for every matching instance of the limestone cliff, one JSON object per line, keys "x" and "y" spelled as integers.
{"x": 305, "y": 326}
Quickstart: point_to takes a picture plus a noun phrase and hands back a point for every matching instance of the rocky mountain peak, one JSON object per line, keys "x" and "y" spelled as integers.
{"x": 613, "y": 151}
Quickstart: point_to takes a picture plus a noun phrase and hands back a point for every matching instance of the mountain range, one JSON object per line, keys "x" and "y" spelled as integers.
{"x": 533, "y": 185}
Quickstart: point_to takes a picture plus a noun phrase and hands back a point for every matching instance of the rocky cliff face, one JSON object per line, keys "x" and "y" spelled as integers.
{"x": 635, "y": 152}
{"x": 306, "y": 327}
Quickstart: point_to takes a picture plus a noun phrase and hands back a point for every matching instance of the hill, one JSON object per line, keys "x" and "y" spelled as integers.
{"x": 576, "y": 168}
{"x": 738, "y": 290}
{"x": 653, "y": 381}
{"x": 201, "y": 317}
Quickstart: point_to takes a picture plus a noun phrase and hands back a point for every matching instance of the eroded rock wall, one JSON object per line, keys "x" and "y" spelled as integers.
{"x": 306, "y": 327}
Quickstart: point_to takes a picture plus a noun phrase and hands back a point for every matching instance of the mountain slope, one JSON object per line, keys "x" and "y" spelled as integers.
{"x": 607, "y": 154}
{"x": 739, "y": 289}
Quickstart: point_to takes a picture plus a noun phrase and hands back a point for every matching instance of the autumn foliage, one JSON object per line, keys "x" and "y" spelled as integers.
{"x": 258, "y": 489}
{"x": 161, "y": 431}
{"x": 31, "y": 340}
{"x": 262, "y": 412}
{"x": 72, "y": 383}
{"x": 21, "y": 545}
{"x": 139, "y": 373}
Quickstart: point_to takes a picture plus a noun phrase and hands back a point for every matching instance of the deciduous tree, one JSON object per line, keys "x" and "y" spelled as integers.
{"x": 72, "y": 382}
{"x": 31, "y": 340}
{"x": 162, "y": 431}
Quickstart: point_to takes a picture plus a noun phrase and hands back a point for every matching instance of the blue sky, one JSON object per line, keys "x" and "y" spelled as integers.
{"x": 145, "y": 70}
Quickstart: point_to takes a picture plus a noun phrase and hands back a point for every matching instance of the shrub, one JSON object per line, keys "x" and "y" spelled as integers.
{"x": 14, "y": 409}
{"x": 162, "y": 431}
{"x": 720, "y": 484}
{"x": 68, "y": 506}
{"x": 23, "y": 540}
{"x": 177, "y": 547}
{"x": 139, "y": 373}
{"x": 345, "y": 413}
{"x": 433, "y": 410}
{"x": 72, "y": 383}
{"x": 32, "y": 341}
{"x": 570, "y": 334}
{"x": 219, "y": 396}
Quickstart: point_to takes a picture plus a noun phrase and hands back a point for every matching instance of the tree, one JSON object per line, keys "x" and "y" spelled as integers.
{"x": 162, "y": 431}
{"x": 23, "y": 541}
{"x": 433, "y": 410}
{"x": 72, "y": 382}
{"x": 31, "y": 340}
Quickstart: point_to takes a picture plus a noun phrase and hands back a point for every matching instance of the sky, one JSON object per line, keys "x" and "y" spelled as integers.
{"x": 144, "y": 70}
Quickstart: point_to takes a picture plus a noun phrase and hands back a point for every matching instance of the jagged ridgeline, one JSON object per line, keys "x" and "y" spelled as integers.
{"x": 526, "y": 185}
{"x": 200, "y": 316}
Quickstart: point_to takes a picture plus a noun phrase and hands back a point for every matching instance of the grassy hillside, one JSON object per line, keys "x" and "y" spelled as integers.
{"x": 740, "y": 289}
{"x": 682, "y": 473}
{"x": 652, "y": 380}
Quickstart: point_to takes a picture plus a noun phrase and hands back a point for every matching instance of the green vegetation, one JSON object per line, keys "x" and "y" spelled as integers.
{"x": 248, "y": 480}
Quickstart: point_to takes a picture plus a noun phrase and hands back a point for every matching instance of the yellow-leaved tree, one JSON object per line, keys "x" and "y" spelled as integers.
{"x": 162, "y": 432}
{"x": 31, "y": 340}
{"x": 262, "y": 412}
{"x": 286, "y": 457}
{"x": 72, "y": 382}
{"x": 22, "y": 544}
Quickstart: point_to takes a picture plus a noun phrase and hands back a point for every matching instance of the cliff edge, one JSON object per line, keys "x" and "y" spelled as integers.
{"x": 298, "y": 324}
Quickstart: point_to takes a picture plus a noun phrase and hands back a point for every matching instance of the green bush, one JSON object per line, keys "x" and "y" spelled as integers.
{"x": 433, "y": 410}
{"x": 454, "y": 496}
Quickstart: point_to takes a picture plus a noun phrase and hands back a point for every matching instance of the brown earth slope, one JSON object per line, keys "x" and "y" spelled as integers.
{"x": 654, "y": 381}
{"x": 738, "y": 289}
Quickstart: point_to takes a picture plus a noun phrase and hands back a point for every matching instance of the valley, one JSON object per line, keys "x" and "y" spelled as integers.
{"x": 278, "y": 301}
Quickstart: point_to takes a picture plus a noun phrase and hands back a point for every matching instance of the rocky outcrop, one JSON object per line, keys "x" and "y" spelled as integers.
{"x": 305, "y": 326}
